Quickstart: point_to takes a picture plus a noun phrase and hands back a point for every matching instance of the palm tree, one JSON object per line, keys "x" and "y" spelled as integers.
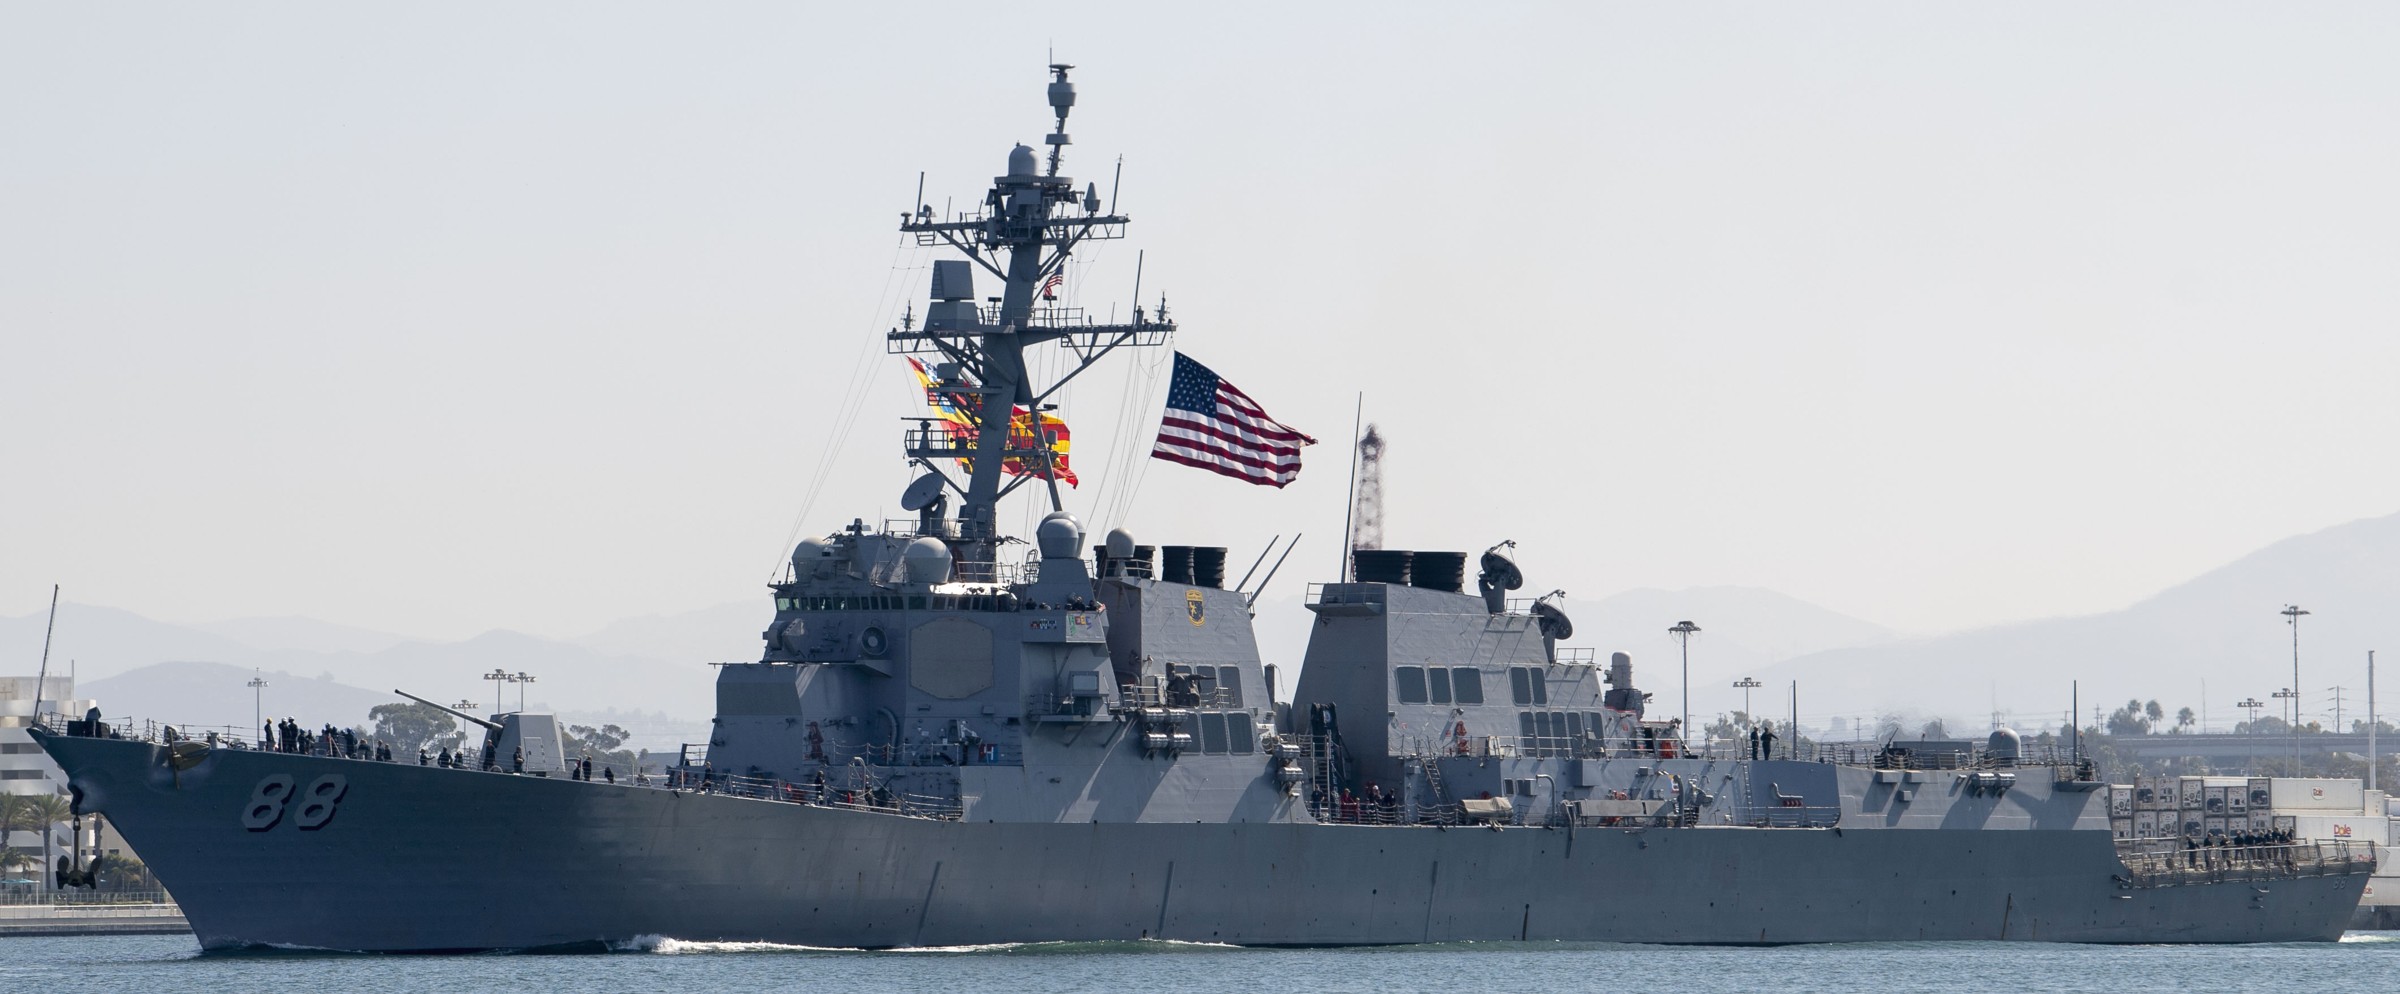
{"x": 13, "y": 816}
{"x": 48, "y": 811}
{"x": 11, "y": 856}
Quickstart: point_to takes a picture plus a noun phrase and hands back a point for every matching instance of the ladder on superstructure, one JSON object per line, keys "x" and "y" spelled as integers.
{"x": 1433, "y": 779}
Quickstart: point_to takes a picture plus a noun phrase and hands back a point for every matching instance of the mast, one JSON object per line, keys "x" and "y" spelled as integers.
{"x": 1024, "y": 231}
{"x": 43, "y": 678}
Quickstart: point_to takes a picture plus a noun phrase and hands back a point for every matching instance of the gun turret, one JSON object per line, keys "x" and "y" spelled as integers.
{"x": 489, "y": 726}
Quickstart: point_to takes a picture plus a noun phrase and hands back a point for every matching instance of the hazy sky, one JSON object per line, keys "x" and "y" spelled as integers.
{"x": 439, "y": 318}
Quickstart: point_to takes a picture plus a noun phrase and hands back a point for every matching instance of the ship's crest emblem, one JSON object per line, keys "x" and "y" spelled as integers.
{"x": 1196, "y": 606}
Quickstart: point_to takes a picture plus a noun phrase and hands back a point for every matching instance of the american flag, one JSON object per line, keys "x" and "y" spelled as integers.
{"x": 1213, "y": 425}
{"x": 1050, "y": 286}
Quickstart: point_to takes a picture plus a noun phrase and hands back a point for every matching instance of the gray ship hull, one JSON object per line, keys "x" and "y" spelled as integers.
{"x": 419, "y": 859}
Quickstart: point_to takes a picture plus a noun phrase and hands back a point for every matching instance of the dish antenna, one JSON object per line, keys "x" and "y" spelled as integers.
{"x": 1499, "y": 576}
{"x": 1551, "y": 618}
{"x": 923, "y": 493}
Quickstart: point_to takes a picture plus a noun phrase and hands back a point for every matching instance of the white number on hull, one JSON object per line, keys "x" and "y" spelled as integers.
{"x": 317, "y": 804}
{"x": 266, "y": 802}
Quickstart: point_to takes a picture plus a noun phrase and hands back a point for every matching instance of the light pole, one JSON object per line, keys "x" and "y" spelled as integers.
{"x": 2251, "y": 704}
{"x": 2294, "y": 697}
{"x": 497, "y": 677}
{"x": 2291, "y": 613}
{"x": 258, "y": 699}
{"x": 521, "y": 679}
{"x": 1746, "y": 685}
{"x": 1683, "y": 632}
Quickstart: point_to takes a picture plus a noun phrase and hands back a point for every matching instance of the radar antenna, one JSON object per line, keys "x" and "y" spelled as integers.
{"x": 1366, "y": 512}
{"x": 1024, "y": 230}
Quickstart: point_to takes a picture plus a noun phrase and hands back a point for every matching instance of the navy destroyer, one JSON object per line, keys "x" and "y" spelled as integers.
{"x": 953, "y": 737}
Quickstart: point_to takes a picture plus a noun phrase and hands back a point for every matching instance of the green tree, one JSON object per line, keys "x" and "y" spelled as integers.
{"x": 12, "y": 858}
{"x": 47, "y": 812}
{"x": 119, "y": 872}
{"x": 2185, "y": 719}
{"x": 2265, "y": 725}
{"x": 605, "y": 744}
{"x": 1729, "y": 728}
{"x": 12, "y": 816}
{"x": 413, "y": 726}
{"x": 2129, "y": 720}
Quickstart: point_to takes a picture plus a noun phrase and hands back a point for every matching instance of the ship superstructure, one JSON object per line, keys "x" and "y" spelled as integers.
{"x": 954, "y": 737}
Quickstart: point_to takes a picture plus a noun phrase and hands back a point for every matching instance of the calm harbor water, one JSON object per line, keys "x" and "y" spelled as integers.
{"x": 158, "y": 964}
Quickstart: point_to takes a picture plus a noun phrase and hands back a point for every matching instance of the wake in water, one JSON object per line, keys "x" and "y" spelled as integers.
{"x": 663, "y": 945}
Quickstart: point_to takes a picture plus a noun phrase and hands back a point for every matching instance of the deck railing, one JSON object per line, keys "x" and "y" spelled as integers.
{"x": 845, "y": 788}
{"x": 2172, "y": 863}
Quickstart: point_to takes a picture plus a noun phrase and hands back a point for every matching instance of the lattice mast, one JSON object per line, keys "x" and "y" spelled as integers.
{"x": 1366, "y": 509}
{"x": 1022, "y": 233}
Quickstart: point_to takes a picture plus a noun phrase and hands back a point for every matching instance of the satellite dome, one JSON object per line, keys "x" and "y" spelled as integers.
{"x": 1120, "y": 544}
{"x": 2005, "y": 745}
{"x": 1060, "y": 536}
{"x": 808, "y": 554}
{"x": 1021, "y": 161}
{"x": 927, "y": 561}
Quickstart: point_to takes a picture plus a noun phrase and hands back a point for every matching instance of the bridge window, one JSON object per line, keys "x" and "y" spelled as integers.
{"x": 1467, "y": 681}
{"x": 1437, "y": 685}
{"x": 1409, "y": 683}
{"x": 1212, "y": 732}
{"x": 1229, "y": 686}
{"x": 1529, "y": 685}
{"x": 1525, "y": 732}
{"x": 1237, "y": 728}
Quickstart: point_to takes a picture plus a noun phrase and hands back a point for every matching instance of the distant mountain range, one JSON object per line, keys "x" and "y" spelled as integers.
{"x": 198, "y": 674}
{"x": 2218, "y": 636}
{"x": 2221, "y": 628}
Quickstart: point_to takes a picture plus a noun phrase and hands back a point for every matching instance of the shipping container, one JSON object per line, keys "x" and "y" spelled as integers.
{"x": 2145, "y": 825}
{"x": 2216, "y": 825}
{"x": 2120, "y": 802}
{"x": 2148, "y": 796}
{"x": 2185, "y": 822}
{"x": 2121, "y": 828}
{"x": 2291, "y": 794}
{"x": 2213, "y": 800}
{"x": 2262, "y": 794}
{"x": 2341, "y": 828}
{"x": 2237, "y": 801}
{"x": 2190, "y": 790}
{"x": 2283, "y": 823}
{"x": 2261, "y": 821}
